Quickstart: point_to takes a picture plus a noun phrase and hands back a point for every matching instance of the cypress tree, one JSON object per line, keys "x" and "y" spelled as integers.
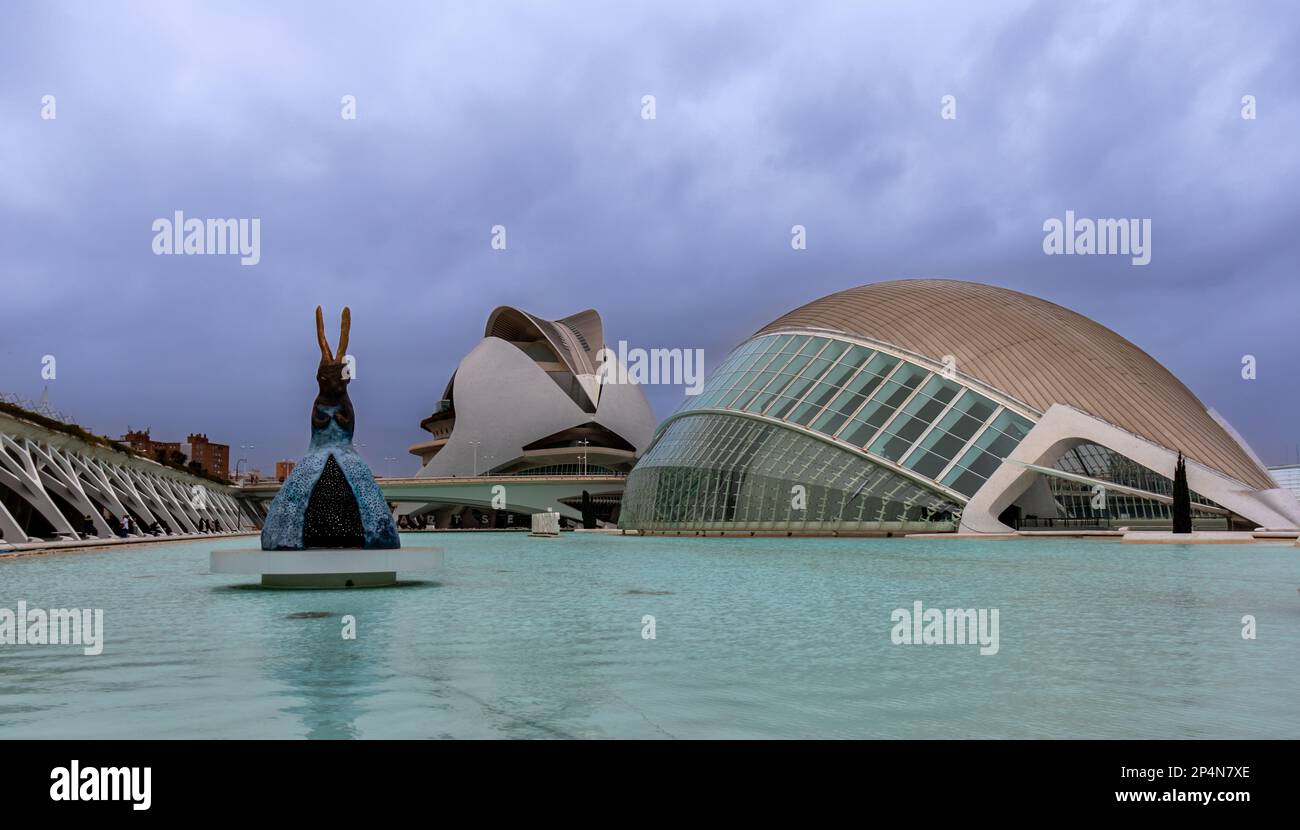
{"x": 1182, "y": 507}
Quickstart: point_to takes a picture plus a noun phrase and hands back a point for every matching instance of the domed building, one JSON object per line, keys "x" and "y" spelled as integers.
{"x": 528, "y": 401}
{"x": 939, "y": 405}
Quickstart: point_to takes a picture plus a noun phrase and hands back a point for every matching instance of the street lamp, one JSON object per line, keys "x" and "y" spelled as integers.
{"x": 584, "y": 442}
{"x": 475, "y": 445}
{"x": 242, "y": 460}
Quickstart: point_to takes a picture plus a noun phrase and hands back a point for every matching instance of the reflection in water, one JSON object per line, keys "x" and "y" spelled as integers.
{"x": 331, "y": 677}
{"x": 755, "y": 638}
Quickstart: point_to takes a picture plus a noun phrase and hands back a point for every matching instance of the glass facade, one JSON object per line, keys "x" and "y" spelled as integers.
{"x": 878, "y": 441}
{"x": 577, "y": 469}
{"x": 1075, "y": 499}
{"x": 993, "y": 445}
{"x": 1287, "y": 477}
{"x": 922, "y": 432}
{"x": 720, "y": 472}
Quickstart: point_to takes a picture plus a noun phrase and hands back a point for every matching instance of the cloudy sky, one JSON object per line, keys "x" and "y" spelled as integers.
{"x": 676, "y": 229}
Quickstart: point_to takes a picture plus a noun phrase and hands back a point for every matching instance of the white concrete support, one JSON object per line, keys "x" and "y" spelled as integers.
{"x": 23, "y": 477}
{"x": 38, "y": 465}
{"x": 225, "y": 506}
{"x": 60, "y": 476}
{"x": 120, "y": 479}
{"x": 180, "y": 497}
{"x": 96, "y": 477}
{"x": 9, "y": 527}
{"x": 165, "y": 507}
{"x": 1062, "y": 428}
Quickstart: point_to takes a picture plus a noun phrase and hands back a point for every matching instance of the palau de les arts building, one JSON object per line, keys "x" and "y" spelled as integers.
{"x": 527, "y": 401}
{"x": 941, "y": 405}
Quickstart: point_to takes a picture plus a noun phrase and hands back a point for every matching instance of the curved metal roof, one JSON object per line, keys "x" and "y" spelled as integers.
{"x": 575, "y": 339}
{"x": 1037, "y": 352}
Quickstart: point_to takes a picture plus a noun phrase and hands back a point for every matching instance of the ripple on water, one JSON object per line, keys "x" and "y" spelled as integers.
{"x": 753, "y": 638}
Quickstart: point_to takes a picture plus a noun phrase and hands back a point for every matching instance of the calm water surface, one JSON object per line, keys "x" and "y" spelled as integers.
{"x": 784, "y": 638}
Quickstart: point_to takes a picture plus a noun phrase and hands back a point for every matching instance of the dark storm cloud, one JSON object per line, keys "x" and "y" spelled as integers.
{"x": 677, "y": 230}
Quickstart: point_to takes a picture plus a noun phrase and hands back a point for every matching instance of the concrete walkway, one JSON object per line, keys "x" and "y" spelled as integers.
{"x": 1198, "y": 537}
{"x": 1024, "y": 534}
{"x": 1138, "y": 537}
{"x": 79, "y": 545}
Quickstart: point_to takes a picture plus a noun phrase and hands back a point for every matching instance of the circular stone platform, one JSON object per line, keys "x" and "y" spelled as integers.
{"x": 325, "y": 567}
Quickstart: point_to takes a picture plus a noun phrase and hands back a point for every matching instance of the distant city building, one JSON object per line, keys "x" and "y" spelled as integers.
{"x": 140, "y": 441}
{"x": 282, "y": 469}
{"x": 1287, "y": 477}
{"x": 212, "y": 458}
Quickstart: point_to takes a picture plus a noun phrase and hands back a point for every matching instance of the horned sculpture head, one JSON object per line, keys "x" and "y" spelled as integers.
{"x": 333, "y": 376}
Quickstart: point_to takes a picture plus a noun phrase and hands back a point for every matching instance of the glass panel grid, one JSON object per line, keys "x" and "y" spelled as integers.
{"x": 712, "y": 470}
{"x": 988, "y": 451}
{"x": 887, "y": 406}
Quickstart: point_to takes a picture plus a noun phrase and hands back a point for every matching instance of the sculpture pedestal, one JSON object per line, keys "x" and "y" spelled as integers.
{"x": 325, "y": 567}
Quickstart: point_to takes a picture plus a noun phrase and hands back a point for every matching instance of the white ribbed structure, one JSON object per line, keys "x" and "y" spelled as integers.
{"x": 38, "y": 464}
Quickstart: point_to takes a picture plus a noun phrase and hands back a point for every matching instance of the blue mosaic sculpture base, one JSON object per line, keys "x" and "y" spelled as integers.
{"x": 288, "y": 514}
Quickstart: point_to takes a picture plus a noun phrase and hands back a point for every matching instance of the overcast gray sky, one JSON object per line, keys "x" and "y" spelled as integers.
{"x": 677, "y": 229}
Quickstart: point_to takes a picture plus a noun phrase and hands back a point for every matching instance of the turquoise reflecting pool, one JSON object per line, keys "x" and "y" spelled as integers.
{"x": 785, "y": 638}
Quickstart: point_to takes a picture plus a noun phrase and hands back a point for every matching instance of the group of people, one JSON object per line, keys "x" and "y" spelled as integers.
{"x": 126, "y": 525}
